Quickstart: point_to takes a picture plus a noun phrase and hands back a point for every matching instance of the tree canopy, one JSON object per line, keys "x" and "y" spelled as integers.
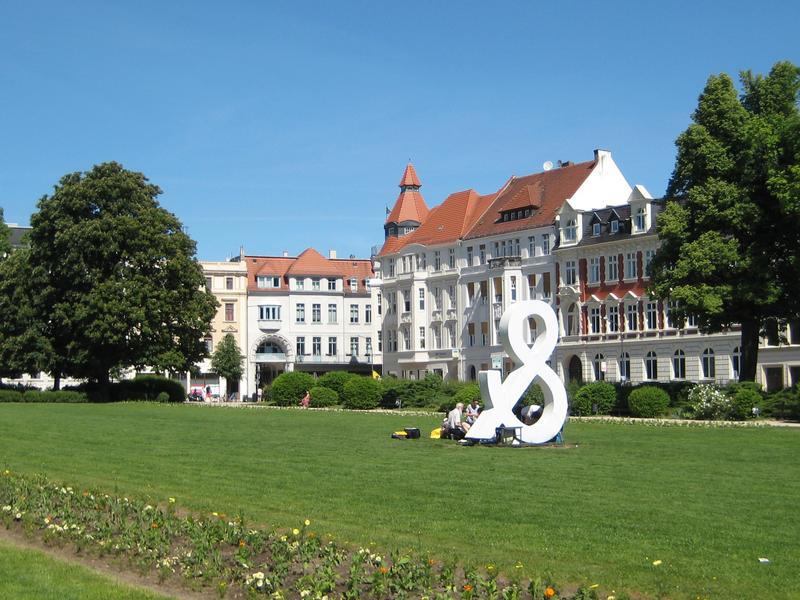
{"x": 5, "y": 242}
{"x": 730, "y": 230}
{"x": 111, "y": 280}
{"x": 227, "y": 360}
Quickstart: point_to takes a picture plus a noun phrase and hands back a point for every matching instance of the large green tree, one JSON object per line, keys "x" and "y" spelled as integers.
{"x": 730, "y": 230}
{"x": 5, "y": 242}
{"x": 113, "y": 279}
{"x": 227, "y": 360}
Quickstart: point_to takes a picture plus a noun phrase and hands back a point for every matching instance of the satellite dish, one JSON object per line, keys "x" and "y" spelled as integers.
{"x": 548, "y": 164}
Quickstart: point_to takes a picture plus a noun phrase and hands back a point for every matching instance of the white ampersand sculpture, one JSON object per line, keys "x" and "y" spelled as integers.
{"x": 500, "y": 398}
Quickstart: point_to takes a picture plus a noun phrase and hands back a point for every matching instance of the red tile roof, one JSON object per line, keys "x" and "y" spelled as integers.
{"x": 548, "y": 190}
{"x": 410, "y": 177}
{"x": 309, "y": 263}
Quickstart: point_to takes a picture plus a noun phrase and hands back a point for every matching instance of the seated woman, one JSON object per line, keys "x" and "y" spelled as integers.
{"x": 472, "y": 411}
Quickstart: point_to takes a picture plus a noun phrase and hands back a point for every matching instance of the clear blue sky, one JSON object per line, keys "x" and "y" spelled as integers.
{"x": 282, "y": 125}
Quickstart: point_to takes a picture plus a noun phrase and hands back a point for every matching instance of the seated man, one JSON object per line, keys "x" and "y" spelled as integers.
{"x": 456, "y": 428}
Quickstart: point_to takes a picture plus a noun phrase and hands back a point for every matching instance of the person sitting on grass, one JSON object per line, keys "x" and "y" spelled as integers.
{"x": 455, "y": 426}
{"x": 472, "y": 411}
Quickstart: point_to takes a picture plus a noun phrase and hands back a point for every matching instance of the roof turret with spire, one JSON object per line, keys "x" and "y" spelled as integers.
{"x": 410, "y": 209}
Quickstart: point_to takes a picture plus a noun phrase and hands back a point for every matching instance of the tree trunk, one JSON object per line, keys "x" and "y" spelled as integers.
{"x": 103, "y": 383}
{"x": 56, "y": 380}
{"x": 750, "y": 337}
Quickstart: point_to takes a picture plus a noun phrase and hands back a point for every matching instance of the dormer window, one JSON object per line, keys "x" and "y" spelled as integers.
{"x": 640, "y": 219}
{"x": 268, "y": 281}
{"x": 570, "y": 231}
{"x": 614, "y": 226}
{"x": 596, "y": 229}
{"x": 353, "y": 284}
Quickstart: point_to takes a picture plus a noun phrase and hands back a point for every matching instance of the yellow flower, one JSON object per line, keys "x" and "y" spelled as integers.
{"x": 518, "y": 565}
{"x": 306, "y": 522}
{"x": 295, "y": 531}
{"x": 656, "y": 563}
{"x": 172, "y": 500}
{"x": 594, "y": 586}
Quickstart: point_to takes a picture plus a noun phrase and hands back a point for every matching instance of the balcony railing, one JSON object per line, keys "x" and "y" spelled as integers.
{"x": 436, "y": 315}
{"x": 504, "y": 261}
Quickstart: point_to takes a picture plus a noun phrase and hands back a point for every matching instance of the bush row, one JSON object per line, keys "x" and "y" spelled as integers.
{"x": 39, "y": 396}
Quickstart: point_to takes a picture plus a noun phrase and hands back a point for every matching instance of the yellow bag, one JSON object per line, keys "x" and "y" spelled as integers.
{"x": 436, "y": 433}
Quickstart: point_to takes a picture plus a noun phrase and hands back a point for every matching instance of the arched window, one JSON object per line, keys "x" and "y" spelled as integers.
{"x": 599, "y": 373}
{"x": 709, "y": 370}
{"x": 736, "y": 359}
{"x": 572, "y": 320}
{"x": 472, "y": 375}
{"x": 651, "y": 366}
{"x": 625, "y": 367}
{"x": 640, "y": 219}
{"x": 570, "y": 231}
{"x": 679, "y": 365}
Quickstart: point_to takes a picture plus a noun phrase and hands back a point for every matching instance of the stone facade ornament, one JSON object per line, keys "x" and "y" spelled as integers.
{"x": 500, "y": 398}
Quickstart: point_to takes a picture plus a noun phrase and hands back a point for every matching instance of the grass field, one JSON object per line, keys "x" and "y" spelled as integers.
{"x": 32, "y": 575}
{"x": 706, "y": 502}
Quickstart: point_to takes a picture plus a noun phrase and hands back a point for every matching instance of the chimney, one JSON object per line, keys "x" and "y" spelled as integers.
{"x": 600, "y": 156}
{"x": 285, "y": 254}
{"x": 331, "y": 253}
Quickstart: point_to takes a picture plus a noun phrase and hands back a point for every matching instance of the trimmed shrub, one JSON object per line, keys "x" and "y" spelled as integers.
{"x": 335, "y": 380}
{"x": 466, "y": 394}
{"x": 162, "y": 397}
{"x": 289, "y": 388}
{"x": 152, "y": 386}
{"x": 709, "y": 402}
{"x": 599, "y": 395}
{"x": 10, "y": 396}
{"x": 323, "y": 396}
{"x": 533, "y": 395}
{"x": 784, "y": 404}
{"x": 648, "y": 401}
{"x": 743, "y": 401}
{"x": 362, "y": 393}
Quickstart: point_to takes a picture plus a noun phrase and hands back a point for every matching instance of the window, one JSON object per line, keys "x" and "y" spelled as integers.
{"x": 596, "y": 229}
{"x": 300, "y": 346}
{"x": 531, "y": 246}
{"x": 709, "y": 368}
{"x": 652, "y": 315}
{"x": 354, "y": 313}
{"x": 268, "y": 281}
{"x": 368, "y": 347}
{"x": 210, "y": 281}
{"x": 469, "y": 256}
{"x": 353, "y": 284}
{"x": 299, "y": 284}
{"x": 269, "y": 312}
{"x": 406, "y": 339}
{"x": 437, "y": 338}
{"x": 599, "y": 365}
{"x": 546, "y": 284}
{"x": 484, "y": 332}
{"x": 594, "y": 269}
{"x": 332, "y": 316}
{"x": 380, "y": 303}
{"x": 451, "y": 335}
{"x": 613, "y": 318}
{"x": 332, "y": 285}
{"x": 691, "y": 320}
{"x": 630, "y": 265}
{"x": 532, "y": 287}
{"x": 668, "y": 308}
{"x": 229, "y": 283}
{"x": 315, "y": 284}
{"x": 625, "y": 366}
{"x": 594, "y": 319}
{"x": 630, "y": 313}
{"x": 422, "y": 338}
{"x": 368, "y": 314}
{"x": 484, "y": 291}
{"x": 380, "y": 341}
{"x": 229, "y": 312}
{"x": 422, "y": 298}
{"x": 406, "y": 301}
{"x": 516, "y": 247}
{"x": 316, "y": 346}
{"x": 679, "y": 365}
{"x": 471, "y": 333}
{"x": 513, "y": 288}
{"x": 570, "y": 231}
{"x": 614, "y": 226}
{"x": 545, "y": 244}
{"x": 612, "y": 273}
{"x": 209, "y": 342}
{"x": 648, "y": 258}
{"x": 437, "y": 260}
{"x": 391, "y": 267}
{"x": 482, "y": 250}
{"x": 570, "y": 273}
{"x": 421, "y": 262}
{"x": 641, "y": 215}
{"x": 451, "y": 258}
{"x": 651, "y": 366}
{"x": 332, "y": 349}
{"x": 736, "y": 361}
{"x": 316, "y": 313}
{"x": 300, "y": 313}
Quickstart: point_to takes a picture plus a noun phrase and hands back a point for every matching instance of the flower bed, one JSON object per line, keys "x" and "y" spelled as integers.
{"x": 223, "y": 553}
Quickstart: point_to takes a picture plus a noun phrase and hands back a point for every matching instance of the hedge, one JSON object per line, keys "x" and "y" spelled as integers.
{"x": 362, "y": 393}
{"x": 39, "y": 396}
{"x": 323, "y": 396}
{"x": 648, "y": 402}
{"x": 288, "y": 389}
{"x": 335, "y": 380}
{"x": 597, "y": 395}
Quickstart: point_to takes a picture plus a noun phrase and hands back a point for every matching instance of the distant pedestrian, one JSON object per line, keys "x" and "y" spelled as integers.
{"x": 306, "y": 400}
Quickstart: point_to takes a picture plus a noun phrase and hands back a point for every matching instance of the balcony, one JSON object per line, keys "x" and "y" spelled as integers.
{"x": 452, "y": 314}
{"x": 497, "y": 310}
{"x": 405, "y": 317}
{"x": 504, "y": 261}
{"x": 271, "y": 357}
{"x": 269, "y": 325}
{"x": 436, "y": 315}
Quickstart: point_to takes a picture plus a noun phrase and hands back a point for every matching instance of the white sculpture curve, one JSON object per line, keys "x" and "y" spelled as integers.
{"x": 500, "y": 398}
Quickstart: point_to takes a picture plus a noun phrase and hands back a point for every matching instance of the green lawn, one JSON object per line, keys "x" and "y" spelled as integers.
{"x": 706, "y": 502}
{"x": 33, "y": 575}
